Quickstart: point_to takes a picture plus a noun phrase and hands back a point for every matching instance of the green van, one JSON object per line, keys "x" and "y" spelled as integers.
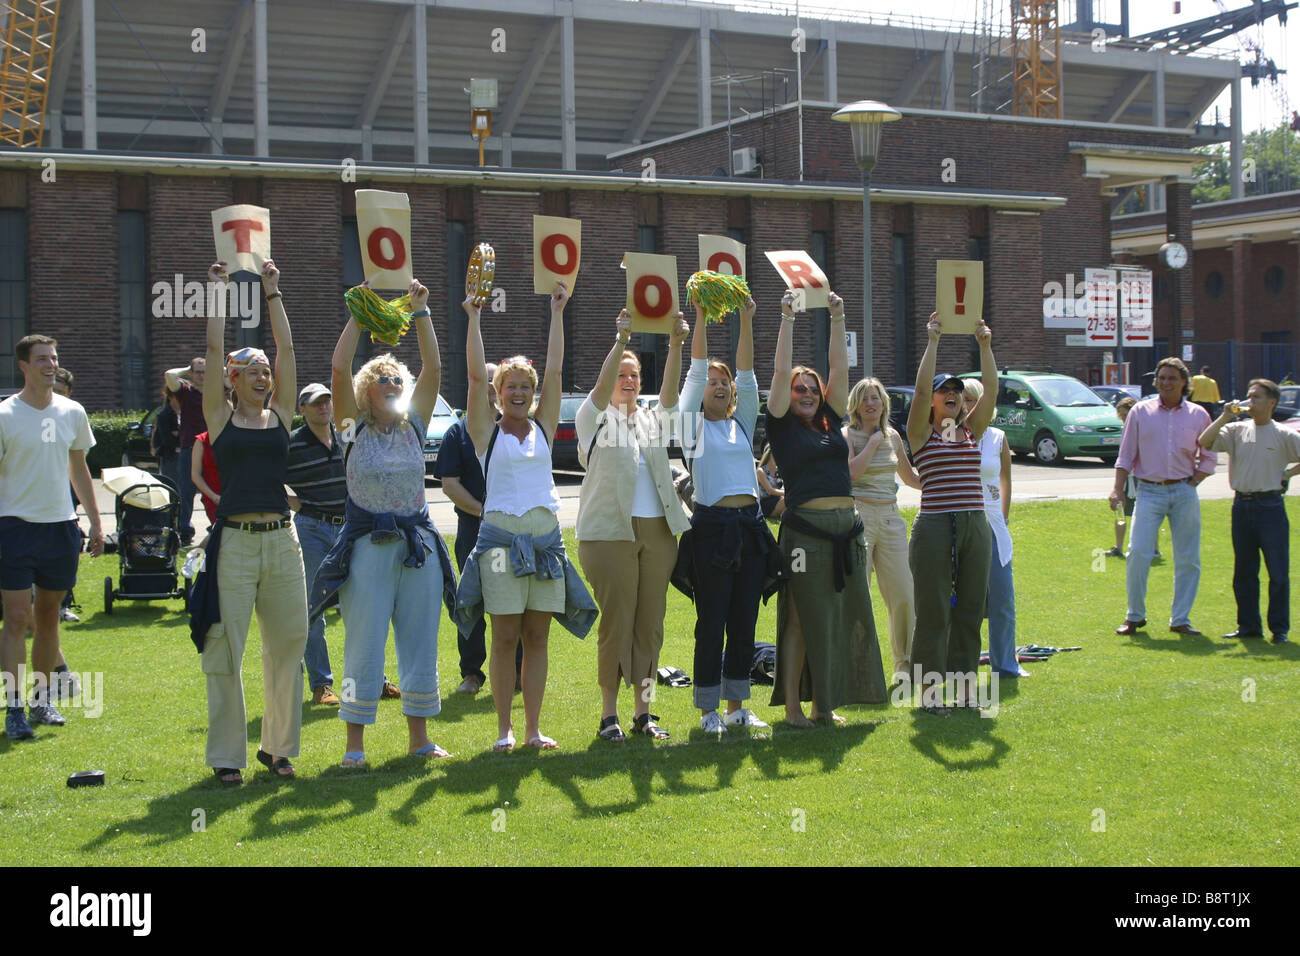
{"x": 1054, "y": 416}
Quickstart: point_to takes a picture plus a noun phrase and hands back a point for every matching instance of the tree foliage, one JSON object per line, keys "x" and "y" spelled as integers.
{"x": 1270, "y": 164}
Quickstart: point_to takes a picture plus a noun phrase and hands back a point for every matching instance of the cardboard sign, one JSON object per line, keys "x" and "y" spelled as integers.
{"x": 557, "y": 251}
{"x": 803, "y": 277}
{"x": 651, "y": 291}
{"x": 384, "y": 229}
{"x": 1102, "y": 322}
{"x": 720, "y": 254}
{"x": 242, "y": 235}
{"x": 959, "y": 295}
{"x": 1135, "y": 307}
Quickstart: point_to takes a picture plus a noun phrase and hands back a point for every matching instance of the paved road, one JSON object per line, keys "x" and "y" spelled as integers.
{"x": 1030, "y": 481}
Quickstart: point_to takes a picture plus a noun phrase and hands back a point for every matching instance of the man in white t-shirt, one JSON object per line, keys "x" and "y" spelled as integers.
{"x": 43, "y": 442}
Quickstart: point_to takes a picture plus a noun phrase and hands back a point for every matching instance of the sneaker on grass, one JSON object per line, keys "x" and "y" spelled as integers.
{"x": 711, "y": 723}
{"x": 16, "y": 726}
{"x": 46, "y": 715}
{"x": 744, "y": 718}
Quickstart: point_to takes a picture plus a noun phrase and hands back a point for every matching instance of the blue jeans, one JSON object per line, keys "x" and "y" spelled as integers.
{"x": 188, "y": 491}
{"x": 316, "y": 538}
{"x": 1260, "y": 524}
{"x": 1180, "y": 503}
{"x": 380, "y": 589}
{"x": 1002, "y": 617}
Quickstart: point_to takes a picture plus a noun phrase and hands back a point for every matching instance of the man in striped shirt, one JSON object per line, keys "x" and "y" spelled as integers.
{"x": 1160, "y": 448}
{"x": 316, "y": 476}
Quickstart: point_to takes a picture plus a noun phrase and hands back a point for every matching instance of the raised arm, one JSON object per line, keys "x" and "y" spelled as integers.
{"x": 345, "y": 400}
{"x": 745, "y": 344}
{"x": 778, "y": 399}
{"x": 837, "y": 380}
{"x": 548, "y": 409}
{"x": 673, "y": 364}
{"x": 285, "y": 398}
{"x": 603, "y": 390}
{"x": 478, "y": 414}
{"x": 173, "y": 375}
{"x": 429, "y": 381}
{"x": 216, "y": 410}
{"x": 918, "y": 416}
{"x": 700, "y": 337}
{"x": 982, "y": 414}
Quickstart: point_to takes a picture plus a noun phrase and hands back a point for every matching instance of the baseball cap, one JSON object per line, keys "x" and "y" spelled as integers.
{"x": 941, "y": 380}
{"x": 312, "y": 392}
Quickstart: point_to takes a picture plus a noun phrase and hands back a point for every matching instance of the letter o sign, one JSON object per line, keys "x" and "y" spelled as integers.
{"x": 663, "y": 296}
{"x": 396, "y": 259}
{"x": 550, "y": 245}
{"x": 721, "y": 258}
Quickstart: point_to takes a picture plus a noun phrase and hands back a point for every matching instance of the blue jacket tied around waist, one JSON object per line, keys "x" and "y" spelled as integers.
{"x": 545, "y": 557}
{"x": 421, "y": 536}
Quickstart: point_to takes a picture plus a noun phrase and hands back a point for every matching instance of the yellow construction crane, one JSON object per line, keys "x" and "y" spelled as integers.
{"x": 27, "y": 29}
{"x": 1036, "y": 42}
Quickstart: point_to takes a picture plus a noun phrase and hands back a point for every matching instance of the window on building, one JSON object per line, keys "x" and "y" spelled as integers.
{"x": 902, "y": 336}
{"x": 1214, "y": 284}
{"x": 1274, "y": 279}
{"x": 13, "y": 292}
{"x": 455, "y": 375}
{"x": 133, "y": 308}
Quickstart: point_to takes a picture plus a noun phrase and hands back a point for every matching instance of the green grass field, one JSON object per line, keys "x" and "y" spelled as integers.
{"x": 1155, "y": 750}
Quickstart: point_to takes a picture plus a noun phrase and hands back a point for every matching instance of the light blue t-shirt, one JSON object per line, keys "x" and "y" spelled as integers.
{"x": 720, "y": 453}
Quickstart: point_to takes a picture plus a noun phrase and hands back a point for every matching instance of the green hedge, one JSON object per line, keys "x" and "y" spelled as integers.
{"x": 111, "y": 429}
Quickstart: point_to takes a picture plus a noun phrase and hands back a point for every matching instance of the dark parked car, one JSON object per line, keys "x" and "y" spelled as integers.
{"x": 900, "y": 403}
{"x": 137, "y": 451}
{"x": 1288, "y": 405}
{"x": 1114, "y": 394}
{"x": 443, "y": 417}
{"x": 564, "y": 457}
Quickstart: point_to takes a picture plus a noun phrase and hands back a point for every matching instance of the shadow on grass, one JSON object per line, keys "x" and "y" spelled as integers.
{"x": 937, "y": 738}
{"x": 1165, "y": 640}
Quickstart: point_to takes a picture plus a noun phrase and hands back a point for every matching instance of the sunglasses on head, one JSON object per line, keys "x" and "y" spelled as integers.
{"x": 389, "y": 379}
{"x": 805, "y": 389}
{"x": 952, "y": 387}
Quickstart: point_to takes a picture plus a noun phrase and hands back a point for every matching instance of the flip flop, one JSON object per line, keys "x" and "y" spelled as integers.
{"x": 225, "y": 778}
{"x": 354, "y": 758}
{"x": 543, "y": 742}
{"x": 505, "y": 744}
{"x": 281, "y": 767}
{"x": 431, "y": 750}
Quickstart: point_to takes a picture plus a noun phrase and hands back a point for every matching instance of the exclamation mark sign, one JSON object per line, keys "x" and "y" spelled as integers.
{"x": 961, "y": 295}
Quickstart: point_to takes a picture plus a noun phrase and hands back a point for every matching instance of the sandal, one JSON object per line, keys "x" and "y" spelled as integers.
{"x": 229, "y": 776}
{"x": 354, "y": 758}
{"x": 430, "y": 750}
{"x": 936, "y": 710}
{"x": 673, "y": 677}
{"x": 610, "y": 730}
{"x": 281, "y": 767}
{"x": 646, "y": 724}
{"x": 543, "y": 742}
{"x": 505, "y": 744}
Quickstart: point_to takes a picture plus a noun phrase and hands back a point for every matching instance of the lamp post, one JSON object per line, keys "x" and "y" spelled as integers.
{"x": 865, "y": 119}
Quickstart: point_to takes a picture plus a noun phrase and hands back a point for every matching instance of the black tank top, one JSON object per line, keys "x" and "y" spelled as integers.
{"x": 252, "y": 464}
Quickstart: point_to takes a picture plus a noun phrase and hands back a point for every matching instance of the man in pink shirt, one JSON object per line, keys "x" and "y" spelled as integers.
{"x": 1160, "y": 448}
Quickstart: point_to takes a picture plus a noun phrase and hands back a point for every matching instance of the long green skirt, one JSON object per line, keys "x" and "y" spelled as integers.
{"x": 842, "y": 664}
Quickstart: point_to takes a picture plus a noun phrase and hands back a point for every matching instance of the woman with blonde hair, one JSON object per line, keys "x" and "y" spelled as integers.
{"x": 528, "y": 578}
{"x": 629, "y": 516}
{"x": 995, "y": 482}
{"x": 876, "y": 456}
{"x": 827, "y": 649}
{"x": 389, "y": 565}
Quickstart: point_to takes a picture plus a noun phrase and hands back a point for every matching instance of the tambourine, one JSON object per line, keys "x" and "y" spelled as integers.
{"x": 478, "y": 277}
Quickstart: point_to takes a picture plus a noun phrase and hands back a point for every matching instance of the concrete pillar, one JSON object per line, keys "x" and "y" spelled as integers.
{"x": 568, "y": 96}
{"x": 704, "y": 50}
{"x": 261, "y": 90}
{"x": 1238, "y": 188}
{"x": 420, "y": 95}
{"x": 1178, "y": 225}
{"x": 832, "y": 66}
{"x": 949, "y": 78}
{"x": 89, "y": 108}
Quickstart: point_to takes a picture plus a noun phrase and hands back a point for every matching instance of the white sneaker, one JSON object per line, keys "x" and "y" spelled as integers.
{"x": 743, "y": 718}
{"x": 66, "y": 615}
{"x": 711, "y": 723}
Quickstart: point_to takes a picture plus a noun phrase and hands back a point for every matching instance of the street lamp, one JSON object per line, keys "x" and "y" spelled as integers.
{"x": 865, "y": 119}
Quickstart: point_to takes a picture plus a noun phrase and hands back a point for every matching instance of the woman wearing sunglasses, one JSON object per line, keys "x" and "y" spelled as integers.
{"x": 951, "y": 543}
{"x": 827, "y": 650}
{"x": 389, "y": 564}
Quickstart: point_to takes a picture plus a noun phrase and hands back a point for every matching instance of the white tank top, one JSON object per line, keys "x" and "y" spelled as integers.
{"x": 519, "y": 475}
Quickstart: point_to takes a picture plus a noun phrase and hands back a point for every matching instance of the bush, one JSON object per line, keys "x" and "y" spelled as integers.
{"x": 111, "y": 430}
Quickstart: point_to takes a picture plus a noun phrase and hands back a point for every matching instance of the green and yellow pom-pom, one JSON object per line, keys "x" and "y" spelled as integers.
{"x": 717, "y": 293}
{"x": 386, "y": 322}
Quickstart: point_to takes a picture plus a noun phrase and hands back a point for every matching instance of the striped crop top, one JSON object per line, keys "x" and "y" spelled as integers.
{"x": 950, "y": 474}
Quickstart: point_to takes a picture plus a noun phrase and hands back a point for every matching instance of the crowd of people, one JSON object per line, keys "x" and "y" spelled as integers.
{"x": 335, "y": 512}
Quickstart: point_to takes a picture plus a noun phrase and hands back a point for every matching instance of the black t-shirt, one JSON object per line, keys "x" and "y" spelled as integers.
{"x": 456, "y": 459}
{"x": 813, "y": 463}
{"x": 252, "y": 464}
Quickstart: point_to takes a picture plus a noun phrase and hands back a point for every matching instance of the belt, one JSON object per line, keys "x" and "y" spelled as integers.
{"x": 321, "y": 515}
{"x": 257, "y": 527}
{"x": 1248, "y": 495}
{"x": 1171, "y": 481}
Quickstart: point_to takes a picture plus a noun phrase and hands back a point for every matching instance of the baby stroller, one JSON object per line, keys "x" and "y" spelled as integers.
{"x": 148, "y": 540}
